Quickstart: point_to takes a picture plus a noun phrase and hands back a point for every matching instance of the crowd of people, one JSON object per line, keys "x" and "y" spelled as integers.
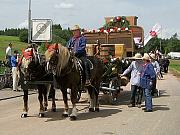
{"x": 12, "y": 62}
{"x": 144, "y": 72}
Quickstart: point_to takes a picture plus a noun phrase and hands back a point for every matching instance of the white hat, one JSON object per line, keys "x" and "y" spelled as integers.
{"x": 137, "y": 56}
{"x": 75, "y": 27}
{"x": 153, "y": 56}
{"x": 146, "y": 56}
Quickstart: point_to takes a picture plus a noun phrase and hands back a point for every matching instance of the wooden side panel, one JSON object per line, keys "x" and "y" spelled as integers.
{"x": 120, "y": 50}
{"x": 90, "y": 49}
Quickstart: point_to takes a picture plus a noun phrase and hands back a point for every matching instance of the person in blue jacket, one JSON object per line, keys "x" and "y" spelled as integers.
{"x": 147, "y": 76}
{"x": 14, "y": 63}
{"x": 77, "y": 44}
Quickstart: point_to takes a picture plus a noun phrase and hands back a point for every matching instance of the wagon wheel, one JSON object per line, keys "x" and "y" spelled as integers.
{"x": 115, "y": 93}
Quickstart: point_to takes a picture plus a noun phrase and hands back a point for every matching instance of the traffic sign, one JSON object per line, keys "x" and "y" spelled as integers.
{"x": 41, "y": 30}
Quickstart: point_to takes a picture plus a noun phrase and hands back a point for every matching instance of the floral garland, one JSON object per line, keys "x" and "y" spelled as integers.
{"x": 116, "y": 24}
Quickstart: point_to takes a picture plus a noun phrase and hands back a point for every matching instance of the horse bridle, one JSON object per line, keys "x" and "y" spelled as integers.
{"x": 35, "y": 57}
{"x": 69, "y": 67}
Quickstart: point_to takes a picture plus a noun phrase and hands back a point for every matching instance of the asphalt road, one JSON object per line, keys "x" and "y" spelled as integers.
{"x": 111, "y": 120}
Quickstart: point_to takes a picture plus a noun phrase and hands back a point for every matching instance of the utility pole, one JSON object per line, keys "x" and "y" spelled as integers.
{"x": 161, "y": 41}
{"x": 29, "y": 22}
{"x": 160, "y": 45}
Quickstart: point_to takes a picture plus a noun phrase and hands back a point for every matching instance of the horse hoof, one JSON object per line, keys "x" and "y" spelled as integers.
{"x": 64, "y": 115}
{"x": 23, "y": 115}
{"x": 53, "y": 109}
{"x": 41, "y": 115}
{"x": 96, "y": 109}
{"x": 72, "y": 118}
{"x": 91, "y": 110}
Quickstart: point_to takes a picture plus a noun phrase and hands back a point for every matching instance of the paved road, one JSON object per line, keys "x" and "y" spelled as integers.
{"x": 111, "y": 120}
{"x": 9, "y": 94}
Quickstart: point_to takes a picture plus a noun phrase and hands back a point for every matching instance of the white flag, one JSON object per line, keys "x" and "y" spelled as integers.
{"x": 137, "y": 40}
{"x": 153, "y": 33}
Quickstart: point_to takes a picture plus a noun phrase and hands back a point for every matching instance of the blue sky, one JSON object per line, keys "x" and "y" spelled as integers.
{"x": 90, "y": 13}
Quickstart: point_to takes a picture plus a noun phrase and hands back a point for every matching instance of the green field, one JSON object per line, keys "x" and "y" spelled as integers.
{"x": 175, "y": 66}
{"x": 5, "y": 40}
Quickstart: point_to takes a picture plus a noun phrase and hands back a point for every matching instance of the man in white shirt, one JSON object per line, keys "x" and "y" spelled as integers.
{"x": 9, "y": 54}
{"x": 135, "y": 69}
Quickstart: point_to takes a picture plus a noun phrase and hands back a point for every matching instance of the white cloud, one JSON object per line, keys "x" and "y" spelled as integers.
{"x": 64, "y": 5}
{"x": 23, "y": 24}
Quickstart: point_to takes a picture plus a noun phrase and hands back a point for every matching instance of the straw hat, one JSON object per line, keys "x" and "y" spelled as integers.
{"x": 75, "y": 27}
{"x": 146, "y": 56}
{"x": 137, "y": 56}
{"x": 153, "y": 56}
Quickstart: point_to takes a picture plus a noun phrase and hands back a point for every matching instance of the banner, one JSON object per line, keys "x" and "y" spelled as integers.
{"x": 138, "y": 42}
{"x": 153, "y": 33}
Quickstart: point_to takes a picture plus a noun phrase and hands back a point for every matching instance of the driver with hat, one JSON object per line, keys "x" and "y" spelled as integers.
{"x": 78, "y": 44}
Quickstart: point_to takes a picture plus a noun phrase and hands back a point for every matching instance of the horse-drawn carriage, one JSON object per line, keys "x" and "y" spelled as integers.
{"x": 114, "y": 64}
{"x": 68, "y": 73}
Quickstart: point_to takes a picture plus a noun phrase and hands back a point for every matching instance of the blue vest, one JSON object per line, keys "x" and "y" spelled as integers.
{"x": 147, "y": 75}
{"x": 14, "y": 61}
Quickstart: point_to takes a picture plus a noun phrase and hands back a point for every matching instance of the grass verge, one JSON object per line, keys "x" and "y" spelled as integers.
{"x": 4, "y": 42}
{"x": 175, "y": 67}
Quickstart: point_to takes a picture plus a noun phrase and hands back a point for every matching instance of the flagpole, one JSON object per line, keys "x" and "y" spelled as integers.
{"x": 29, "y": 22}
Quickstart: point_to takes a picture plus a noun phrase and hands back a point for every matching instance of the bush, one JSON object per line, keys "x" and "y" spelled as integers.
{"x": 23, "y": 36}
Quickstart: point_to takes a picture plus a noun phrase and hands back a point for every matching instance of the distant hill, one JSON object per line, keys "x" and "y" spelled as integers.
{"x": 4, "y": 42}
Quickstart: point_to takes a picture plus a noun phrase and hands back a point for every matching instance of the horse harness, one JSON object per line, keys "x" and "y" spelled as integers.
{"x": 35, "y": 56}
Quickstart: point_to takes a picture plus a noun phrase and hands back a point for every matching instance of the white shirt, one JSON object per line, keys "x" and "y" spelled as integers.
{"x": 8, "y": 51}
{"x": 135, "y": 68}
{"x": 156, "y": 66}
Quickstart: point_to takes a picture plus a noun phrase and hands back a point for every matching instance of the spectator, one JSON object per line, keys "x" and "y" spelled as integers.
{"x": 9, "y": 54}
{"x": 14, "y": 63}
{"x": 166, "y": 65}
{"x": 157, "y": 70}
{"x": 135, "y": 69}
{"x": 147, "y": 76}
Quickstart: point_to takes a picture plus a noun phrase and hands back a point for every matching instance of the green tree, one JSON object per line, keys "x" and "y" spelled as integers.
{"x": 58, "y": 39}
{"x": 23, "y": 36}
{"x": 56, "y": 26}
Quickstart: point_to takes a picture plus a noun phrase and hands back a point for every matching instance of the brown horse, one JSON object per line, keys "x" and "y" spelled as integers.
{"x": 69, "y": 73}
{"x": 32, "y": 69}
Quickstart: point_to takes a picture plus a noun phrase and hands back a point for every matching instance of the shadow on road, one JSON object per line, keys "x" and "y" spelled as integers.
{"x": 122, "y": 99}
{"x": 160, "y": 108}
{"x": 103, "y": 114}
{"x": 106, "y": 108}
{"x": 163, "y": 93}
{"x": 56, "y": 116}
